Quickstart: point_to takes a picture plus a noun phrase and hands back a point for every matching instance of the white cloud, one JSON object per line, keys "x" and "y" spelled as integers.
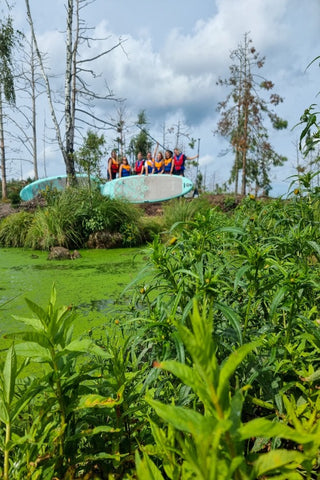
{"x": 176, "y": 51}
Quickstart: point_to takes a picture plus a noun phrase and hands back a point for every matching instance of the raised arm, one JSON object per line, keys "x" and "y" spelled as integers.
{"x": 192, "y": 158}
{"x": 155, "y": 151}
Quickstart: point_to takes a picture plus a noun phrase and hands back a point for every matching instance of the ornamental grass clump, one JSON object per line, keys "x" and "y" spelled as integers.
{"x": 14, "y": 229}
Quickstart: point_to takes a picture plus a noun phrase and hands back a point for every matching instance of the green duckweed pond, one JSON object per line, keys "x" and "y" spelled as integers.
{"x": 93, "y": 284}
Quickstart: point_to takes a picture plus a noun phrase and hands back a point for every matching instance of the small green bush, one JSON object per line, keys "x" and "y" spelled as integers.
{"x": 229, "y": 202}
{"x": 13, "y": 189}
{"x": 184, "y": 210}
{"x": 14, "y": 198}
{"x": 14, "y": 228}
{"x": 151, "y": 227}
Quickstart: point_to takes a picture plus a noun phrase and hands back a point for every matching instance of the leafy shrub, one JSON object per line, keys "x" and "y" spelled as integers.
{"x": 75, "y": 213}
{"x": 229, "y": 202}
{"x": 83, "y": 416}
{"x": 14, "y": 198}
{"x": 151, "y": 227}
{"x": 209, "y": 439}
{"x": 13, "y": 189}
{"x": 131, "y": 234}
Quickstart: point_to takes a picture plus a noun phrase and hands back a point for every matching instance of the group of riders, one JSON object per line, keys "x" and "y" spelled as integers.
{"x": 171, "y": 163}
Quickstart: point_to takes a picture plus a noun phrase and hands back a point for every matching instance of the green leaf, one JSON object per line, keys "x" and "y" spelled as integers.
{"x": 32, "y": 322}
{"x": 103, "y": 456}
{"x": 313, "y": 377}
{"x": 277, "y": 459}
{"x": 41, "y": 314}
{"x": 87, "y": 346}
{"x": 4, "y": 413}
{"x": 33, "y": 350}
{"x": 186, "y": 374}
{"x": 63, "y": 314}
{"x": 184, "y": 419}
{"x": 316, "y": 247}
{"x": 262, "y": 427}
{"x": 179, "y": 346}
{"x": 276, "y": 301}
{"x": 23, "y": 401}
{"x": 240, "y": 273}
{"x": 234, "y": 230}
{"x": 34, "y": 337}
{"x": 230, "y": 365}
{"x": 189, "y": 377}
{"x": 9, "y": 375}
{"x": 53, "y": 295}
{"x": 79, "y": 345}
{"x": 146, "y": 469}
{"x": 98, "y": 401}
{"x": 233, "y": 318}
{"x": 90, "y": 432}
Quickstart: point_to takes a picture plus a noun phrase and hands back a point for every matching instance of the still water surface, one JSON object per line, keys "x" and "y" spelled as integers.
{"x": 93, "y": 284}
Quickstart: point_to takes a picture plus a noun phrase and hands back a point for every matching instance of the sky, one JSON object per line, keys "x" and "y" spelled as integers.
{"x": 172, "y": 55}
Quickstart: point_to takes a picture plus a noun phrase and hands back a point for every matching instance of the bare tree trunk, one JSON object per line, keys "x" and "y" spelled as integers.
{"x": 74, "y": 72}
{"x": 3, "y": 155}
{"x": 245, "y": 113}
{"x": 244, "y": 152}
{"x": 236, "y": 174}
{"x": 238, "y": 130}
{"x": 67, "y": 92}
{"x": 34, "y": 114}
{"x": 68, "y": 159}
{"x": 74, "y": 35}
{"x": 178, "y": 136}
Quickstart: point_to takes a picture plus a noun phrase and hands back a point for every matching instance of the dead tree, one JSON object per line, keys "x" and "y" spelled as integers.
{"x": 78, "y": 96}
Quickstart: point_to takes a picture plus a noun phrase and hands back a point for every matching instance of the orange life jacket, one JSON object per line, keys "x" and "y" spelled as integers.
{"x": 158, "y": 164}
{"x": 126, "y": 170}
{"x": 150, "y": 165}
{"x": 114, "y": 165}
{"x": 167, "y": 164}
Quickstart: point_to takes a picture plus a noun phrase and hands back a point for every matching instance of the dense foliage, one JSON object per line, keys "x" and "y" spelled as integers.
{"x": 69, "y": 218}
{"x": 211, "y": 373}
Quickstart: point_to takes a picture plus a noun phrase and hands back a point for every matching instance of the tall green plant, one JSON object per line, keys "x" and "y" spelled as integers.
{"x": 208, "y": 441}
{"x": 12, "y": 402}
{"x": 48, "y": 340}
